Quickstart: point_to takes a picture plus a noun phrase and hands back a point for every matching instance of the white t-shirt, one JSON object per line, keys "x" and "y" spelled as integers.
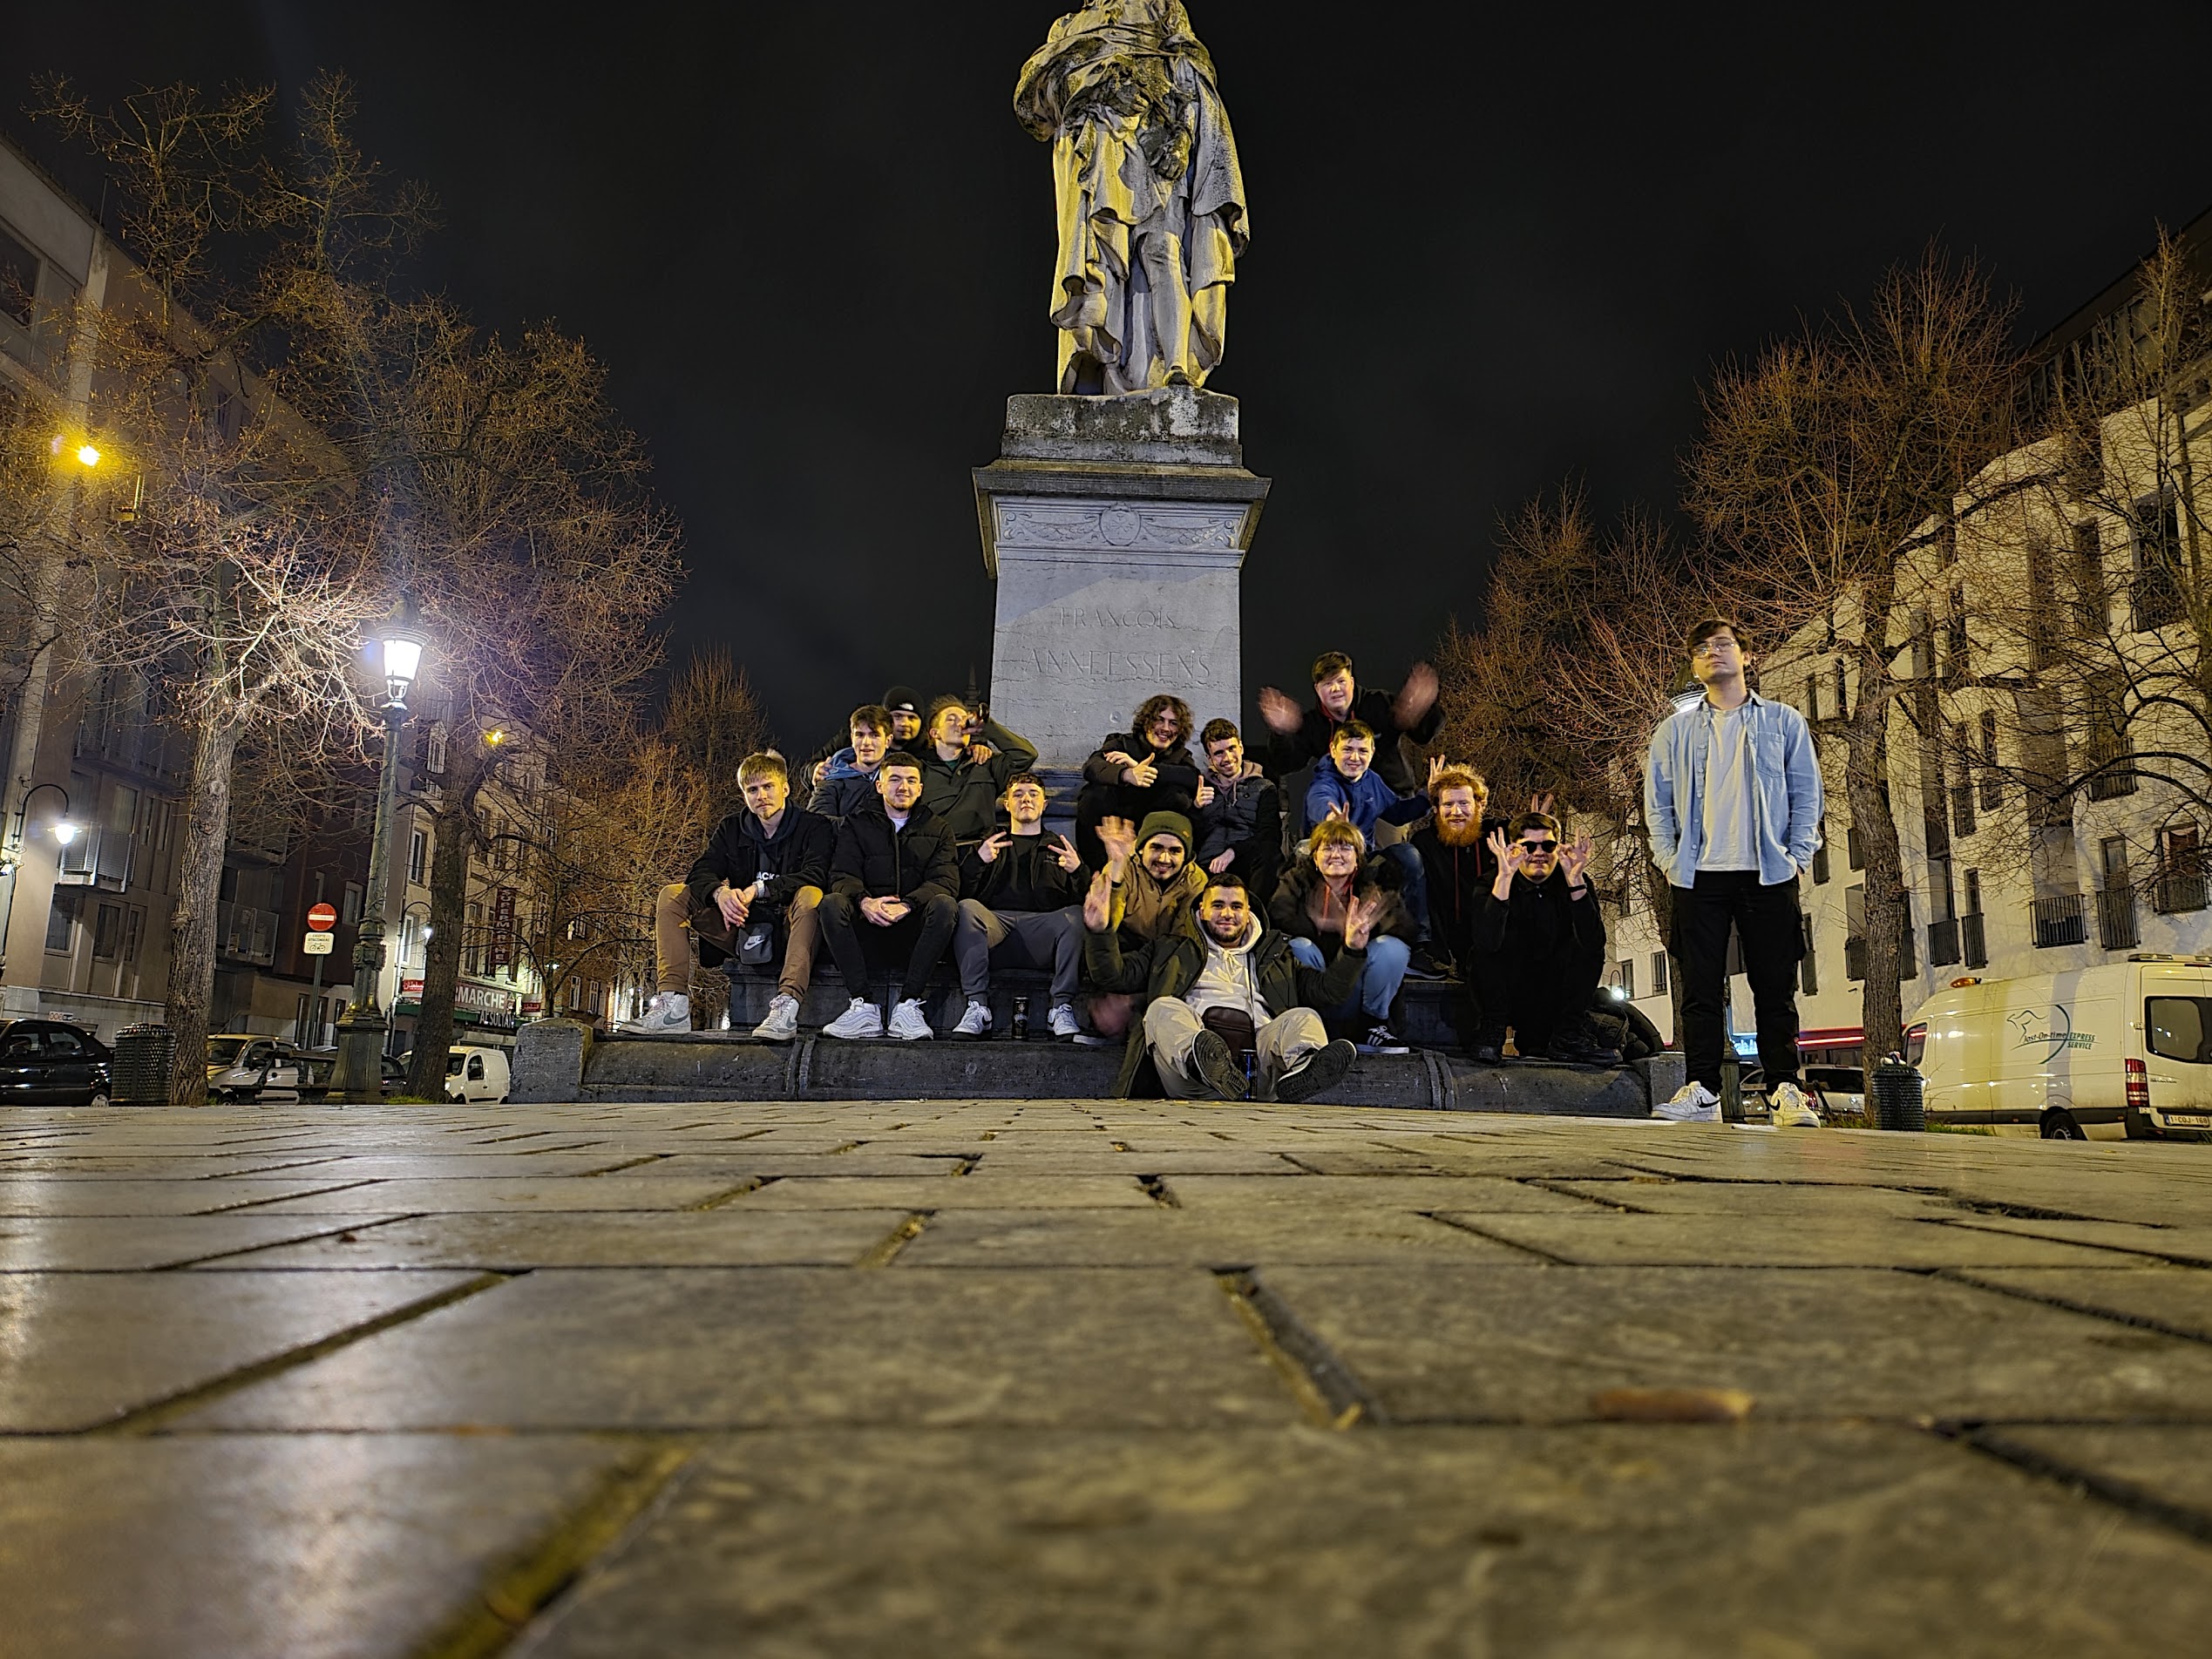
{"x": 1730, "y": 808}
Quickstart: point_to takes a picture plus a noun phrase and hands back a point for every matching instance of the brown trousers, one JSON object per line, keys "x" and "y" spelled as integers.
{"x": 673, "y": 912}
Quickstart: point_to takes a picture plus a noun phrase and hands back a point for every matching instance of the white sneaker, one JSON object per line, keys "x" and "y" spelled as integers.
{"x": 975, "y": 1021}
{"x": 1692, "y": 1103}
{"x": 781, "y": 1024}
{"x": 862, "y": 1019}
{"x": 908, "y": 1024}
{"x": 1790, "y": 1108}
{"x": 668, "y": 1010}
{"x": 1064, "y": 1023}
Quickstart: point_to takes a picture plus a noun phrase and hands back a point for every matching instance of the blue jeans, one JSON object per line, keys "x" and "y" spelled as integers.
{"x": 1379, "y": 981}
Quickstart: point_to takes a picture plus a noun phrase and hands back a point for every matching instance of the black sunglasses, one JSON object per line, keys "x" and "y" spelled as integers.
{"x": 1539, "y": 846}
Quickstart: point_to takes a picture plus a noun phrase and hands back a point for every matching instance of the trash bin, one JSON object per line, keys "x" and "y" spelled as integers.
{"x": 143, "y": 1055}
{"x": 1897, "y": 1089}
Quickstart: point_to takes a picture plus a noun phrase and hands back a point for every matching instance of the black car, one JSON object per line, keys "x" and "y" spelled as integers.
{"x": 43, "y": 1062}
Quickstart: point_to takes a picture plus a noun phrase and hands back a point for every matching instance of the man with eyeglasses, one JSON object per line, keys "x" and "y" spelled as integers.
{"x": 1538, "y": 947}
{"x": 1733, "y": 802}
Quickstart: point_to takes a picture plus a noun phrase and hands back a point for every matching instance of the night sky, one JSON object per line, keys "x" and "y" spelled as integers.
{"x": 1492, "y": 248}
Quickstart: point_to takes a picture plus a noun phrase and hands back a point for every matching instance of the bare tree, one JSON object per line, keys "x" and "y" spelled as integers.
{"x": 713, "y": 721}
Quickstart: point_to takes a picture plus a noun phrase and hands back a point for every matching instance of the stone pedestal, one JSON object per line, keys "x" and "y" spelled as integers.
{"x": 1116, "y": 528}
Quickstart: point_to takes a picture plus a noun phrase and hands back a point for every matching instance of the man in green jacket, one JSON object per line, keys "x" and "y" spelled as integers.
{"x": 1227, "y": 959}
{"x": 967, "y": 763}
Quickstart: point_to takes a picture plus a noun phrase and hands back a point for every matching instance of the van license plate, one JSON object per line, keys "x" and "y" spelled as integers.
{"x": 2189, "y": 1120}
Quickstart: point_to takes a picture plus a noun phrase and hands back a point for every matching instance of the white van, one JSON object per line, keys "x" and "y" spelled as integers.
{"x": 475, "y": 1073}
{"x": 2122, "y": 1049}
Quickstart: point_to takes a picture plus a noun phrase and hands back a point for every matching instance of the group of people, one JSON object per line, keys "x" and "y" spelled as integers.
{"x": 1236, "y": 947}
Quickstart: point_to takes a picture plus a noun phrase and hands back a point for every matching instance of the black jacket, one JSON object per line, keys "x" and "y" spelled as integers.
{"x": 1024, "y": 876}
{"x": 874, "y": 860}
{"x": 1458, "y": 879}
{"x": 1167, "y": 966}
{"x": 798, "y": 856}
{"x": 1179, "y": 773}
{"x": 1245, "y": 817}
{"x": 1300, "y": 748}
{"x": 1539, "y": 921}
{"x": 964, "y": 794}
{"x": 1378, "y": 877}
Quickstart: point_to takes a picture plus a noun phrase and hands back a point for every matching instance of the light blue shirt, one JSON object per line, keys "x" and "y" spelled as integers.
{"x": 1785, "y": 771}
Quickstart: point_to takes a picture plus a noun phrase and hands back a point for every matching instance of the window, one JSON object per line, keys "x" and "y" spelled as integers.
{"x": 349, "y": 908}
{"x": 1813, "y": 699}
{"x": 1820, "y": 862}
{"x": 61, "y": 1040}
{"x": 1659, "y": 973}
{"x": 1955, "y": 633}
{"x": 417, "y": 855}
{"x": 1842, "y": 693}
{"x": 1624, "y": 976}
{"x": 133, "y": 930}
{"x": 2179, "y": 1027}
{"x": 1973, "y": 881}
{"x": 1992, "y": 786}
{"x": 2091, "y": 607}
{"x": 2181, "y": 870}
{"x": 108, "y": 932}
{"x": 1856, "y": 852}
{"x": 18, "y": 279}
{"x": 61, "y": 920}
{"x": 473, "y": 941}
{"x": 434, "y": 757}
{"x": 2156, "y": 591}
{"x": 1809, "y": 979}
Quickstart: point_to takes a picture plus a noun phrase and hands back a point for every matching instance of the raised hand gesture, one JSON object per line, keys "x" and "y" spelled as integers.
{"x": 1416, "y": 697}
{"x": 1436, "y": 765}
{"x": 1541, "y": 802}
{"x": 1359, "y": 920}
{"x": 1511, "y": 861}
{"x": 1574, "y": 859}
{"x": 1118, "y": 758}
{"x": 1204, "y": 796}
{"x": 1140, "y": 774}
{"x": 1118, "y": 837}
{"x": 1065, "y": 853}
{"x": 1336, "y": 810}
{"x": 1098, "y": 903}
{"x": 988, "y": 848}
{"x": 1280, "y": 712}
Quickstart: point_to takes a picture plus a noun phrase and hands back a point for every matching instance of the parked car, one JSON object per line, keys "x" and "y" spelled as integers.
{"x": 1841, "y": 1088}
{"x": 320, "y": 1063}
{"x": 46, "y": 1062}
{"x": 475, "y": 1073}
{"x": 2122, "y": 1049}
{"x": 243, "y": 1067}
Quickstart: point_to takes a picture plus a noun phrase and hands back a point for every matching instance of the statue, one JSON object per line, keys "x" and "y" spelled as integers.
{"x": 1151, "y": 201}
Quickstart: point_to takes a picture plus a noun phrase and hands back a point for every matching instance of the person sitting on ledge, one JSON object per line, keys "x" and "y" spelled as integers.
{"x": 966, "y": 762}
{"x": 1022, "y": 889}
{"x": 1310, "y": 909}
{"x": 1302, "y": 738}
{"x": 1153, "y": 882}
{"x": 1225, "y": 984}
{"x": 1539, "y": 948}
{"x": 1455, "y": 865}
{"x": 766, "y": 862}
{"x": 895, "y": 883}
{"x": 1137, "y": 773}
{"x": 1239, "y": 814}
{"x": 1349, "y": 788}
{"x": 901, "y": 725}
{"x": 847, "y": 781}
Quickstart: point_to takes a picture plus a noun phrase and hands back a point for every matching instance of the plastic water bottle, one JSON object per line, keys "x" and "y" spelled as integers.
{"x": 1022, "y": 1019}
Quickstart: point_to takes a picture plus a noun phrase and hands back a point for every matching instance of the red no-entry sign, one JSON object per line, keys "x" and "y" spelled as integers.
{"x": 323, "y": 917}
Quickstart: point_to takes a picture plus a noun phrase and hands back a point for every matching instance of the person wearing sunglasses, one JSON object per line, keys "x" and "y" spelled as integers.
{"x": 1539, "y": 947}
{"x": 1733, "y": 803}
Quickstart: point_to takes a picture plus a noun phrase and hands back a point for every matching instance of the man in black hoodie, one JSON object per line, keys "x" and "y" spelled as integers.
{"x": 1458, "y": 865}
{"x": 1023, "y": 889}
{"x": 767, "y": 862}
{"x": 1302, "y": 738}
{"x": 1539, "y": 946}
{"x": 1134, "y": 773}
{"x": 894, "y": 882}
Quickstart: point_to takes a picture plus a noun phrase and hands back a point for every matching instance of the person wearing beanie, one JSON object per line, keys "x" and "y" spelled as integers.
{"x": 906, "y": 705}
{"x": 1152, "y": 883}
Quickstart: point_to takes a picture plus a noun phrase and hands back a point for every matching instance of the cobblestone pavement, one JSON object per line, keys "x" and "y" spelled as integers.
{"x": 1093, "y": 1378}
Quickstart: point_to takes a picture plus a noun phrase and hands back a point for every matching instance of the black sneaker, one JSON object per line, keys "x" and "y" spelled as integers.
{"x": 1583, "y": 1047}
{"x": 1489, "y": 1048}
{"x": 1217, "y": 1067}
{"x": 1380, "y": 1040}
{"x": 1323, "y": 1069}
{"x": 1428, "y": 963}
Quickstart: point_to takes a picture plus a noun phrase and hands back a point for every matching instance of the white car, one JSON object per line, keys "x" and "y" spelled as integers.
{"x": 243, "y": 1067}
{"x": 475, "y": 1073}
{"x": 2122, "y": 1049}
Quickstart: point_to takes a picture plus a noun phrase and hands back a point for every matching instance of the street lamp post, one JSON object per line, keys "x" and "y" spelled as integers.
{"x": 358, "y": 1075}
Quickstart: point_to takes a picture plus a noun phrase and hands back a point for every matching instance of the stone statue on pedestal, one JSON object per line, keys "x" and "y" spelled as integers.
{"x": 1151, "y": 201}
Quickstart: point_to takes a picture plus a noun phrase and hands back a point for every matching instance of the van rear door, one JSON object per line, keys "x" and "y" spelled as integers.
{"x": 2177, "y": 1048}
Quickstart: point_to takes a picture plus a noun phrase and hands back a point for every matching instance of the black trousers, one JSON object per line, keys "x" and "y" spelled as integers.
{"x": 1766, "y": 921}
{"x": 1538, "y": 996}
{"x": 923, "y": 934}
{"x": 1096, "y": 801}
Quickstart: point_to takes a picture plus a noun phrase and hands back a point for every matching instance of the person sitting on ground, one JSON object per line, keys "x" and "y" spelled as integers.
{"x": 1153, "y": 882}
{"x": 847, "y": 781}
{"x": 766, "y": 862}
{"x": 1539, "y": 947}
{"x": 1239, "y": 814}
{"x": 894, "y": 885}
{"x": 1227, "y": 973}
{"x": 967, "y": 760}
{"x": 901, "y": 724}
{"x": 1455, "y": 864}
{"x": 1350, "y": 789}
{"x": 1310, "y": 908}
{"x": 1137, "y": 773}
{"x": 1022, "y": 888}
{"x": 1301, "y": 739}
